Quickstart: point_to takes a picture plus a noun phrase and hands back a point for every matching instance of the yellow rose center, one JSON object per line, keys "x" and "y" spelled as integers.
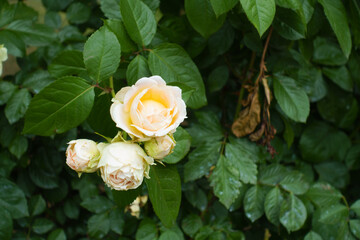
{"x": 153, "y": 111}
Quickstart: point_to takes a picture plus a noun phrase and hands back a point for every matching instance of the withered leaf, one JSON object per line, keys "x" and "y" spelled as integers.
{"x": 248, "y": 118}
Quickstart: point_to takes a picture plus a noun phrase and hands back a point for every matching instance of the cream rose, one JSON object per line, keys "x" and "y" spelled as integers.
{"x": 3, "y": 56}
{"x": 83, "y": 155}
{"x": 160, "y": 147}
{"x": 149, "y": 108}
{"x": 124, "y": 165}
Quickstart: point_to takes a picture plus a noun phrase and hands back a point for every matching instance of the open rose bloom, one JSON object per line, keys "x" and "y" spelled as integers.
{"x": 149, "y": 108}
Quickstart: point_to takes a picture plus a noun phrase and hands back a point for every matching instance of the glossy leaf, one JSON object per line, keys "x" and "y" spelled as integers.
{"x": 292, "y": 99}
{"x": 139, "y": 21}
{"x": 292, "y": 213}
{"x": 68, "y": 101}
{"x": 260, "y": 13}
{"x": 102, "y": 54}
{"x": 224, "y": 180}
{"x": 205, "y": 21}
{"x": 336, "y": 14}
{"x": 164, "y": 188}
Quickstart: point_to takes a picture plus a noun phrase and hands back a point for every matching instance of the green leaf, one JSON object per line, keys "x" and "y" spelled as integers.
{"x": 13, "y": 199}
{"x": 37, "y": 205}
{"x": 62, "y": 105}
{"x": 99, "y": 225}
{"x": 356, "y": 207}
{"x": 196, "y": 196}
{"x": 333, "y": 214}
{"x": 102, "y": 53}
{"x": 99, "y": 119}
{"x": 254, "y": 202}
{"x": 221, "y": 41}
{"x": 173, "y": 64}
{"x": 118, "y": 28}
{"x": 224, "y": 180}
{"x": 315, "y": 149}
{"x": 117, "y": 220}
{"x": 221, "y": 7}
{"x": 182, "y": 147}
{"x": 355, "y": 227}
{"x": 312, "y": 236}
{"x": 164, "y": 188}
{"x": 292, "y": 213}
{"x": 272, "y": 204}
{"x": 336, "y": 14}
{"x": 200, "y": 160}
{"x": 147, "y": 230}
{"x": 52, "y": 19}
{"x": 340, "y": 76}
{"x": 327, "y": 52}
{"x": 124, "y": 198}
{"x": 139, "y": 21}
{"x": 272, "y": 174}
{"x": 6, "y": 91}
{"x": 204, "y": 233}
{"x": 323, "y": 194}
{"x": 243, "y": 158}
{"x": 191, "y": 224}
{"x": 57, "y": 234}
{"x": 68, "y": 62}
{"x": 37, "y": 80}
{"x": 6, "y": 224}
{"x": 289, "y": 25}
{"x": 137, "y": 69}
{"x": 338, "y": 107}
{"x": 78, "y": 13}
{"x": 310, "y": 79}
{"x": 260, "y": 13}
{"x": 295, "y": 182}
{"x": 205, "y": 21}
{"x": 207, "y": 130}
{"x": 97, "y": 204}
{"x": 42, "y": 225}
{"x": 111, "y": 8}
{"x": 33, "y": 34}
{"x": 218, "y": 78}
{"x": 292, "y": 99}
{"x": 6, "y": 164}
{"x": 13, "y": 42}
{"x": 335, "y": 173}
{"x": 18, "y": 146}
{"x": 17, "y": 105}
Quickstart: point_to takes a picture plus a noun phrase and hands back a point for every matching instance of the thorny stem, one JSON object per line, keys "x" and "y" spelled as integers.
{"x": 112, "y": 86}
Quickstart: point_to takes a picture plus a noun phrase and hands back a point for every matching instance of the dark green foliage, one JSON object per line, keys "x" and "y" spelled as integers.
{"x": 300, "y": 183}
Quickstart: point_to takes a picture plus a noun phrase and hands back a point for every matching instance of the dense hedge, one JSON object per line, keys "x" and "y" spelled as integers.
{"x": 271, "y": 145}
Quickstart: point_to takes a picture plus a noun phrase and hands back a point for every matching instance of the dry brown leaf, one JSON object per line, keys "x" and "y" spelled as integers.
{"x": 267, "y": 90}
{"x": 256, "y": 136}
{"x": 248, "y": 118}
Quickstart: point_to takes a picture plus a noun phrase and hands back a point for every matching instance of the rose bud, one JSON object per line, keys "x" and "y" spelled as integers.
{"x": 124, "y": 165}
{"x": 149, "y": 108}
{"x": 160, "y": 147}
{"x": 3, "y": 56}
{"x": 83, "y": 155}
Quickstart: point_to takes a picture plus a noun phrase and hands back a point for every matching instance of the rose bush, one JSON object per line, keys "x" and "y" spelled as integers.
{"x": 269, "y": 148}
